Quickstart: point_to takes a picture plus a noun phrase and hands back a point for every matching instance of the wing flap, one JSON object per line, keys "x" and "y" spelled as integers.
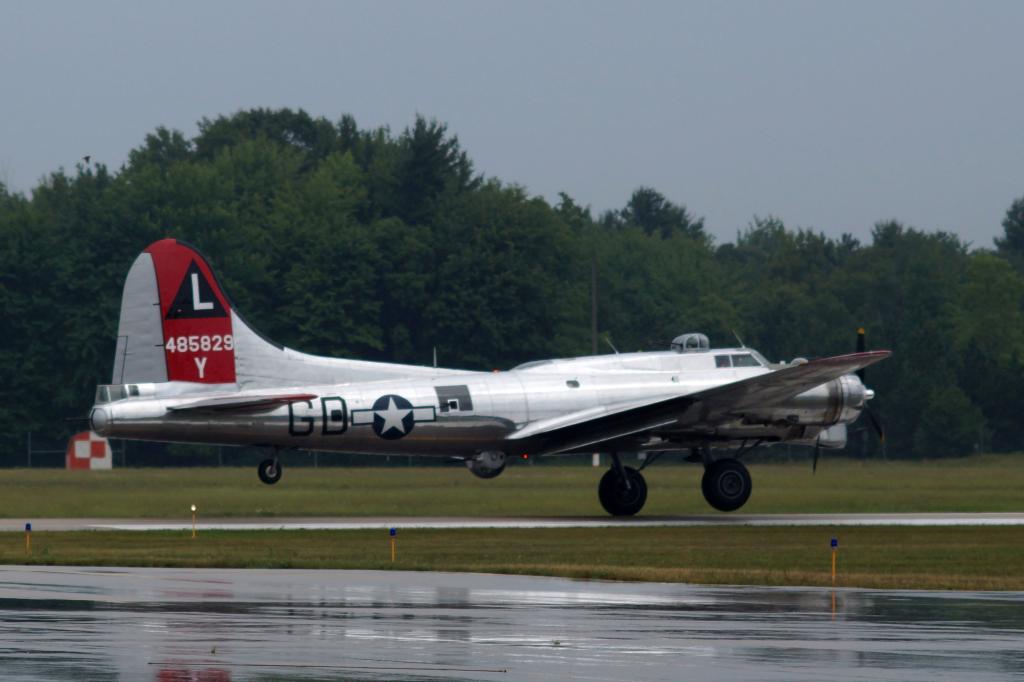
{"x": 554, "y": 423}
{"x": 589, "y": 438}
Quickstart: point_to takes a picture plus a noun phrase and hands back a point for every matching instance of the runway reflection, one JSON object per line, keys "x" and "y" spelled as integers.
{"x": 221, "y": 624}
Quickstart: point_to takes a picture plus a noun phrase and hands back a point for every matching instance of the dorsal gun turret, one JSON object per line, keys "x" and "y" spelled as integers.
{"x": 691, "y": 343}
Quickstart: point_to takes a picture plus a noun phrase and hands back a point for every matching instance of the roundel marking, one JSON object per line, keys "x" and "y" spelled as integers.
{"x": 392, "y": 417}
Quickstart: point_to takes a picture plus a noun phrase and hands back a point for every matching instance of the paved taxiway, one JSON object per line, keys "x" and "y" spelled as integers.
{"x": 365, "y": 523}
{"x": 223, "y": 624}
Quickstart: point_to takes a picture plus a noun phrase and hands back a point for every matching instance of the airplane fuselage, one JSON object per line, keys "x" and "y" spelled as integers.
{"x": 461, "y": 415}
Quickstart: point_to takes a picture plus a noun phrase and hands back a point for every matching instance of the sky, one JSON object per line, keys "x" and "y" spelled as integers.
{"x": 829, "y": 115}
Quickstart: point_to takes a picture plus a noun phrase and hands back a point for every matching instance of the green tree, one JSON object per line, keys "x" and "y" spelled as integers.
{"x": 433, "y": 166}
{"x": 313, "y": 138}
{"x": 1011, "y": 244}
{"x": 649, "y": 210}
{"x": 989, "y": 336}
{"x": 912, "y": 289}
{"x": 509, "y": 283}
{"x": 950, "y": 425}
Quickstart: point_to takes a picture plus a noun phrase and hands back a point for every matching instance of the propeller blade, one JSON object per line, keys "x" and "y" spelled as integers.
{"x": 861, "y": 345}
{"x": 817, "y": 453}
{"x": 876, "y": 423}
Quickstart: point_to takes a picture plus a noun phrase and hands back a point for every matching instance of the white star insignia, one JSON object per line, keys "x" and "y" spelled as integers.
{"x": 392, "y": 417}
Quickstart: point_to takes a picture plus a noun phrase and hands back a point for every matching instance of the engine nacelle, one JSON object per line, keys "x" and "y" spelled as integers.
{"x": 833, "y": 438}
{"x": 839, "y": 401}
{"x": 487, "y": 464}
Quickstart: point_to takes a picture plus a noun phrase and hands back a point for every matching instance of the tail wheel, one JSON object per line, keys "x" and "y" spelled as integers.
{"x": 618, "y": 498}
{"x": 270, "y": 471}
{"x": 726, "y": 485}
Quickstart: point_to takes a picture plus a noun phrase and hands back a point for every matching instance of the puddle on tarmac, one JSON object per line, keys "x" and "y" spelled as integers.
{"x": 218, "y": 624}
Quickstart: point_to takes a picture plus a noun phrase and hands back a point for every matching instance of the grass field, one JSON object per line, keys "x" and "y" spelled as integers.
{"x": 883, "y": 557}
{"x": 982, "y": 483}
{"x": 979, "y": 558}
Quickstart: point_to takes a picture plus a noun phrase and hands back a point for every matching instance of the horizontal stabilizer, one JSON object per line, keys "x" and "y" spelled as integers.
{"x": 242, "y": 403}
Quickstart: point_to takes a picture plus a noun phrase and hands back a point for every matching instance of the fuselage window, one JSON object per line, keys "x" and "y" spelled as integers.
{"x": 572, "y": 383}
{"x": 745, "y": 360}
{"x": 722, "y": 361}
{"x": 454, "y": 398}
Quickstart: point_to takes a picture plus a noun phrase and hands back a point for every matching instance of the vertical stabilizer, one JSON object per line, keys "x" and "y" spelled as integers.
{"x": 140, "y": 341}
{"x": 176, "y": 323}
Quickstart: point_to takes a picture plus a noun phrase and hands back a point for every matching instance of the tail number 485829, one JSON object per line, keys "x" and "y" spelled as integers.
{"x": 196, "y": 343}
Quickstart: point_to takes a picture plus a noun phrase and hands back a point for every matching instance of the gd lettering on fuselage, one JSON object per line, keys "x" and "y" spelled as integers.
{"x": 189, "y": 369}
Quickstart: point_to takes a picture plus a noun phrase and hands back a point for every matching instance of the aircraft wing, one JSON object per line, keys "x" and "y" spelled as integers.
{"x": 766, "y": 389}
{"x": 240, "y": 403}
{"x": 594, "y": 426}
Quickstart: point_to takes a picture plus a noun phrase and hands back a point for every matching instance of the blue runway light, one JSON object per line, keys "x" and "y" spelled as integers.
{"x": 835, "y": 543}
{"x": 28, "y": 527}
{"x": 393, "y": 532}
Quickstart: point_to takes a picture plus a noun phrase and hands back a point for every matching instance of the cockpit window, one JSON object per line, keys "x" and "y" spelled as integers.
{"x": 722, "y": 361}
{"x": 745, "y": 360}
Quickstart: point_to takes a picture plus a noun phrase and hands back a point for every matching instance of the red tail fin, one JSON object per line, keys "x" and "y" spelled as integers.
{"x": 199, "y": 345}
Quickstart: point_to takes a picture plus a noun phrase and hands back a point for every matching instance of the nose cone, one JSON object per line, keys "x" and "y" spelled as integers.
{"x": 99, "y": 420}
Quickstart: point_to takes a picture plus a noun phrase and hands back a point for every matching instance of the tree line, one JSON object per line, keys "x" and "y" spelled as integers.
{"x": 366, "y": 243}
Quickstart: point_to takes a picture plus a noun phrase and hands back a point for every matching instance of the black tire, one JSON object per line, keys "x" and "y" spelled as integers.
{"x": 616, "y": 498}
{"x": 726, "y": 485}
{"x": 270, "y": 471}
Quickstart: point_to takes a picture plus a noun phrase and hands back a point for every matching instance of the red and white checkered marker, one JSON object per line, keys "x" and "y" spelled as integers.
{"x": 87, "y": 450}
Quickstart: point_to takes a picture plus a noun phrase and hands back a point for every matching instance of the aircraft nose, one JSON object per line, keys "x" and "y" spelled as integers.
{"x": 99, "y": 420}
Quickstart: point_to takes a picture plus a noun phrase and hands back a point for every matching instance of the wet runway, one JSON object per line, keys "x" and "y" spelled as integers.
{"x": 226, "y": 624}
{"x": 364, "y": 523}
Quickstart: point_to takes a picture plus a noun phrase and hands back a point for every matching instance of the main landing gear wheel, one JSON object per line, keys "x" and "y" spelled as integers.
{"x": 726, "y": 484}
{"x": 270, "y": 471}
{"x": 618, "y": 498}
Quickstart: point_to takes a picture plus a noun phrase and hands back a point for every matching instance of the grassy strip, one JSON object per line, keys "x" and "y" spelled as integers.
{"x": 983, "y": 483}
{"x": 962, "y": 558}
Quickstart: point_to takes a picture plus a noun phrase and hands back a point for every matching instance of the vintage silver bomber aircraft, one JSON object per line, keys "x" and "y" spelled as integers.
{"x": 189, "y": 369}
